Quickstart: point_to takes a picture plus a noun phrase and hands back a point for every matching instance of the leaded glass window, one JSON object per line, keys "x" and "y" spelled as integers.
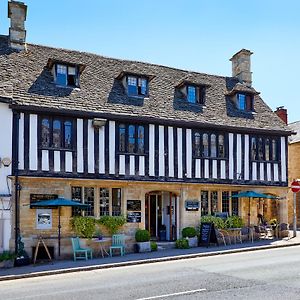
{"x": 213, "y": 145}
{"x": 214, "y": 202}
{"x": 191, "y": 94}
{"x": 204, "y": 203}
{"x": 104, "y": 202}
{"x": 205, "y": 145}
{"x": 131, "y": 138}
{"x": 253, "y": 149}
{"x": 235, "y": 204}
{"x": 260, "y": 149}
{"x": 116, "y": 202}
{"x": 122, "y": 138}
{"x": 267, "y": 149}
{"x": 45, "y": 133}
{"x": 76, "y": 196}
{"x": 89, "y": 199}
{"x": 57, "y": 134}
{"x": 274, "y": 149}
{"x": 221, "y": 146}
{"x": 197, "y": 145}
{"x": 68, "y": 134}
{"x": 141, "y": 138}
{"x": 225, "y": 202}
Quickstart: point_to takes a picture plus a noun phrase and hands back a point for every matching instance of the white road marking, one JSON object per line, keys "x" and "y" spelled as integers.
{"x": 174, "y": 294}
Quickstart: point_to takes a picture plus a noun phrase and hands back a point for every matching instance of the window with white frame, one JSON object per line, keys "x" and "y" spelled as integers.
{"x": 67, "y": 75}
{"x": 137, "y": 86}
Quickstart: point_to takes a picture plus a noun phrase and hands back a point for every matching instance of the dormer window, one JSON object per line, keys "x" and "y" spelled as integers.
{"x": 244, "y": 102}
{"x": 137, "y": 86}
{"x": 191, "y": 92}
{"x": 66, "y": 75}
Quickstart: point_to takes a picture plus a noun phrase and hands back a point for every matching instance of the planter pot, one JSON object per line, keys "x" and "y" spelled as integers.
{"x": 193, "y": 242}
{"x": 6, "y": 264}
{"x": 144, "y": 247}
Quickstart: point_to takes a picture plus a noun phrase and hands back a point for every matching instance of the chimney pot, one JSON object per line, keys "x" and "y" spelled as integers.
{"x": 17, "y": 12}
{"x": 281, "y": 112}
{"x": 241, "y": 66}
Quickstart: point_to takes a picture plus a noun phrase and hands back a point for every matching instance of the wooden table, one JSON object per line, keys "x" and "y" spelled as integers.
{"x": 101, "y": 242}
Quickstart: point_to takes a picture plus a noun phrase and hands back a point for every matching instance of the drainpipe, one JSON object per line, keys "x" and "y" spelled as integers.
{"x": 15, "y": 172}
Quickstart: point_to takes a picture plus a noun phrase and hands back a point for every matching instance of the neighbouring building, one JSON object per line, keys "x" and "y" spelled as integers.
{"x": 160, "y": 145}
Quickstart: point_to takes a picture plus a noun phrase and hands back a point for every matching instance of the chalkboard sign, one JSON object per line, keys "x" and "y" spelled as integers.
{"x": 134, "y": 217}
{"x": 34, "y": 198}
{"x": 191, "y": 205}
{"x": 207, "y": 234}
{"x": 134, "y": 205}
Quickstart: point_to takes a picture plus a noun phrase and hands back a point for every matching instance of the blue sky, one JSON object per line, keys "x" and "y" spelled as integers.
{"x": 189, "y": 34}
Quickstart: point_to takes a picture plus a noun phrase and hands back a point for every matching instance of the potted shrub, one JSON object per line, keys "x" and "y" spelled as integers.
{"x": 142, "y": 237}
{"x": 7, "y": 259}
{"x": 83, "y": 227}
{"x": 182, "y": 244}
{"x": 153, "y": 246}
{"x": 190, "y": 234}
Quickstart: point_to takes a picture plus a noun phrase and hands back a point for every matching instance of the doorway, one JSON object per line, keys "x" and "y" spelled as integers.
{"x": 161, "y": 215}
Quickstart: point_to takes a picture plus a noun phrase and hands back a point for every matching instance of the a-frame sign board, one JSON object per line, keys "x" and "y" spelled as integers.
{"x": 208, "y": 234}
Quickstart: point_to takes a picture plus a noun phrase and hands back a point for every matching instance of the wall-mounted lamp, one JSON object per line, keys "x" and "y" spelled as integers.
{"x": 5, "y": 161}
{"x": 99, "y": 122}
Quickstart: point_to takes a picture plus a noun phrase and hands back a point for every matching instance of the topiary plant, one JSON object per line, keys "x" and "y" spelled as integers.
{"x": 83, "y": 226}
{"x": 142, "y": 235}
{"x": 182, "y": 244}
{"x": 112, "y": 223}
{"x": 153, "y": 246}
{"x": 189, "y": 232}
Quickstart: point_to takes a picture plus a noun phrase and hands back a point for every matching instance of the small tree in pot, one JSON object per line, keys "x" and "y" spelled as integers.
{"x": 142, "y": 237}
{"x": 190, "y": 234}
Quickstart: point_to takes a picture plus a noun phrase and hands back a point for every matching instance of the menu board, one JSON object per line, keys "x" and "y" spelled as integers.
{"x": 134, "y": 217}
{"x": 207, "y": 234}
{"x": 134, "y": 205}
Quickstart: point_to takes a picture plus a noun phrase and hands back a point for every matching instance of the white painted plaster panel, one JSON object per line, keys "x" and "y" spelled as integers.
{"x": 79, "y": 145}
{"x": 179, "y": 151}
{"x": 223, "y": 169}
{"x": 230, "y": 155}
{"x": 21, "y": 142}
{"x": 189, "y": 153}
{"x": 171, "y": 151}
{"x": 45, "y": 160}
{"x": 198, "y": 168}
{"x": 269, "y": 178}
{"x": 214, "y": 169}
{"x": 206, "y": 168}
{"x": 254, "y": 171}
{"x": 161, "y": 151}
{"x": 91, "y": 148}
{"x": 276, "y": 175}
{"x": 261, "y": 171}
{"x": 33, "y": 139}
{"x": 151, "y": 150}
{"x": 283, "y": 160}
{"x": 122, "y": 164}
{"x": 246, "y": 159}
{"x": 142, "y": 165}
{"x": 132, "y": 165}
{"x": 68, "y": 161}
{"x": 102, "y": 150}
{"x": 112, "y": 146}
{"x": 238, "y": 156}
{"x": 56, "y": 161}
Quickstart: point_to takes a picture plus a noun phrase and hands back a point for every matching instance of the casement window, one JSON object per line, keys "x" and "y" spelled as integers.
{"x": 244, "y": 102}
{"x": 66, "y": 75}
{"x": 234, "y": 204}
{"x": 204, "y": 203}
{"x": 83, "y": 195}
{"x": 264, "y": 149}
{"x": 213, "y": 202}
{"x": 56, "y": 133}
{"x": 194, "y": 93}
{"x": 108, "y": 201}
{"x": 137, "y": 86}
{"x": 225, "y": 202}
{"x": 131, "y": 139}
{"x": 208, "y": 145}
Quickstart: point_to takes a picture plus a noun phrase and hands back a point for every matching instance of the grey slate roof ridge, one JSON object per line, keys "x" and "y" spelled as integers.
{"x": 100, "y": 92}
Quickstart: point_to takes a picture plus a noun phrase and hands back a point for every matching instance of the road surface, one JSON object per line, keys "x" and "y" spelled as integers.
{"x": 267, "y": 274}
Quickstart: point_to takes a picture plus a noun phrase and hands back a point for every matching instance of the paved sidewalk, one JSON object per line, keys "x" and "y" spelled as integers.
{"x": 67, "y": 266}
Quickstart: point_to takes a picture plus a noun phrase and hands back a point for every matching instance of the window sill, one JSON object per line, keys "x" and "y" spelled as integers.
{"x": 128, "y": 153}
{"x": 266, "y": 161}
{"x": 56, "y": 149}
{"x": 208, "y": 157}
{"x": 197, "y": 104}
{"x": 70, "y": 87}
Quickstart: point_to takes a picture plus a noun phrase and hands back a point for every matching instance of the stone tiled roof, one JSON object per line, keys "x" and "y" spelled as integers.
{"x": 102, "y": 93}
{"x": 295, "y": 127}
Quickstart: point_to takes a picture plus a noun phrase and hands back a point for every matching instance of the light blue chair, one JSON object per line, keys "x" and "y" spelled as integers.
{"x": 79, "y": 252}
{"x": 117, "y": 242}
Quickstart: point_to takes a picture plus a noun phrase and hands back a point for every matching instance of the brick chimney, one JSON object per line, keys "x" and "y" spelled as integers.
{"x": 17, "y": 12}
{"x": 241, "y": 66}
{"x": 281, "y": 112}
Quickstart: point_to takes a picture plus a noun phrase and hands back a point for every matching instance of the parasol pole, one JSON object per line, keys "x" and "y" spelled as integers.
{"x": 59, "y": 227}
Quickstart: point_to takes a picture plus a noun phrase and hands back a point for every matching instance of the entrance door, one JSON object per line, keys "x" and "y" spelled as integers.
{"x": 153, "y": 214}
